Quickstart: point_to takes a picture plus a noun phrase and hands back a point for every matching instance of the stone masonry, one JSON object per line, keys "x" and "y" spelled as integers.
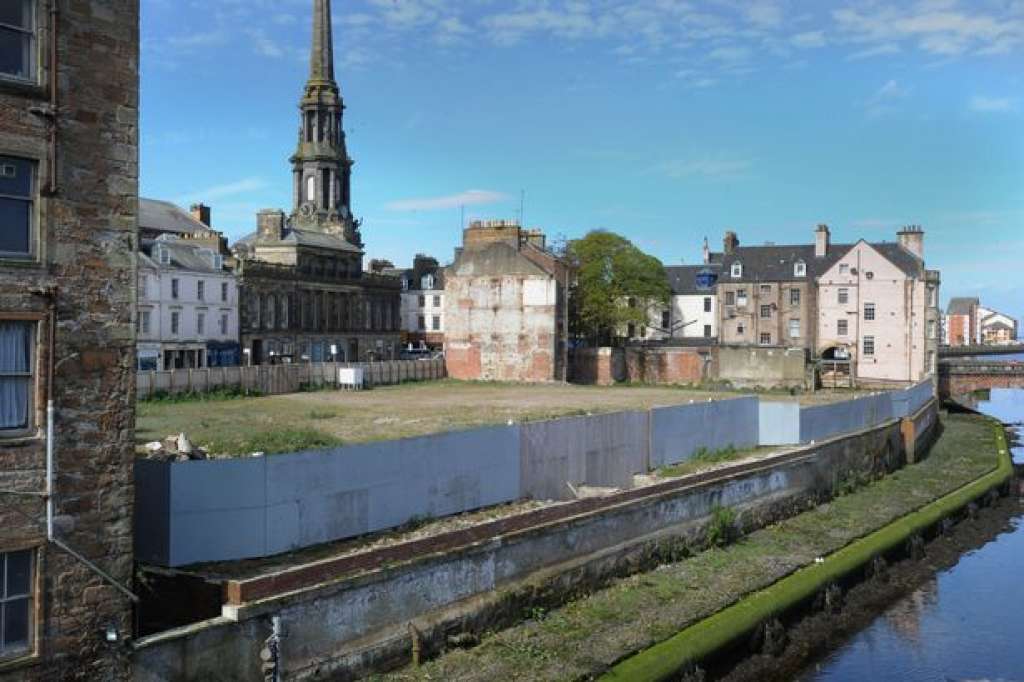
{"x": 80, "y": 270}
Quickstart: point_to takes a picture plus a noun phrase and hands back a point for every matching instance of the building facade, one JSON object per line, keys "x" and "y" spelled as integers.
{"x": 505, "y": 306}
{"x": 423, "y": 304}
{"x": 304, "y": 295}
{"x": 878, "y": 309}
{"x": 996, "y": 328}
{"x": 692, "y": 313}
{"x": 962, "y": 321}
{"x": 187, "y": 307}
{"x": 69, "y": 198}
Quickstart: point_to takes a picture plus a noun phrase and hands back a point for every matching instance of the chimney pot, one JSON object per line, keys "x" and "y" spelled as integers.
{"x": 822, "y": 240}
{"x": 201, "y": 212}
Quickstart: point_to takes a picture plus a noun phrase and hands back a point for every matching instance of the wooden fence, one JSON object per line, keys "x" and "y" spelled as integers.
{"x": 278, "y": 379}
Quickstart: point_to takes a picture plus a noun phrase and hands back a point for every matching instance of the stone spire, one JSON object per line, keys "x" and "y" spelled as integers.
{"x": 321, "y": 166}
{"x": 321, "y": 61}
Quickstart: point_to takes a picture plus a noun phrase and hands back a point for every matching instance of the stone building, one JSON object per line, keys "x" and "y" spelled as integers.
{"x": 69, "y": 198}
{"x": 878, "y": 308}
{"x": 505, "y": 306}
{"x": 304, "y": 295}
{"x": 422, "y": 304}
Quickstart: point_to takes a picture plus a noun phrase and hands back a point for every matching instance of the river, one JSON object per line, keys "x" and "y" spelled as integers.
{"x": 964, "y": 624}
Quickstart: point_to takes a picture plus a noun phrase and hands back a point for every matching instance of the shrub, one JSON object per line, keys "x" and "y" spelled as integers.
{"x": 722, "y": 528}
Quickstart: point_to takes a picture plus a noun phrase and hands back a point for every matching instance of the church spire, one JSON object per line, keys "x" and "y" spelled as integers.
{"x": 321, "y": 61}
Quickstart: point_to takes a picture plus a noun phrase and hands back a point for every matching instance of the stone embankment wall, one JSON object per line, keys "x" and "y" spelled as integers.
{"x": 363, "y": 621}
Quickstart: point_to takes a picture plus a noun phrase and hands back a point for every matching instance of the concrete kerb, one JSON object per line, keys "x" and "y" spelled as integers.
{"x": 702, "y": 639}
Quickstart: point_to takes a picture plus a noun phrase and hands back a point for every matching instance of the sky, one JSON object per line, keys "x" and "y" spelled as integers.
{"x": 663, "y": 120}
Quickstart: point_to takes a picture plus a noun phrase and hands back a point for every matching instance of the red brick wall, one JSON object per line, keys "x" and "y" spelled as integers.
{"x": 959, "y": 330}
{"x": 598, "y": 366}
{"x": 462, "y": 362}
{"x": 665, "y": 365}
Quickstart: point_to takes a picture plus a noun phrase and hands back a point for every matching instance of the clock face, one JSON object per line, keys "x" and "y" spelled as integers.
{"x": 307, "y": 209}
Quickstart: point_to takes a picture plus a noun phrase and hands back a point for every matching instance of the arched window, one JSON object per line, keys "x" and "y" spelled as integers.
{"x": 737, "y": 269}
{"x": 270, "y": 316}
{"x": 311, "y": 188}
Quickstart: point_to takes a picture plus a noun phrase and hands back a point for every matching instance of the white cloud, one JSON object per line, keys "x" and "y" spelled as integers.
{"x": 229, "y": 189}
{"x": 983, "y": 104}
{"x": 876, "y": 51}
{"x": 885, "y": 99}
{"x": 809, "y": 39}
{"x": 730, "y": 54}
{"x": 471, "y": 197}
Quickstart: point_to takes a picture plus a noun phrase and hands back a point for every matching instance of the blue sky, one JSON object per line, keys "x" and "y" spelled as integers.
{"x": 663, "y": 120}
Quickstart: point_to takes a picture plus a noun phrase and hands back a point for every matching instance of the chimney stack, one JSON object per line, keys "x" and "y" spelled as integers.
{"x": 707, "y": 252}
{"x": 822, "y": 239}
{"x": 912, "y": 239}
{"x": 730, "y": 243}
{"x": 201, "y": 212}
{"x": 270, "y": 225}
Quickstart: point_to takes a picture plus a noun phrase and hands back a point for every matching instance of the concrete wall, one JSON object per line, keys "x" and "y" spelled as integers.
{"x": 677, "y": 433}
{"x": 357, "y": 625}
{"x": 764, "y": 366}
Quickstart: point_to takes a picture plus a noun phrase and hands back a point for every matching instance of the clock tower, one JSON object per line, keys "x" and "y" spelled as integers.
{"x": 321, "y": 167}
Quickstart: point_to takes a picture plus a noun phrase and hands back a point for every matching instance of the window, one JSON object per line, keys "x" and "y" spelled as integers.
{"x": 201, "y": 290}
{"x": 741, "y": 297}
{"x": 421, "y": 322}
{"x": 842, "y": 327}
{"x": 844, "y": 269}
{"x": 766, "y": 339}
{"x": 175, "y": 322}
{"x": 223, "y": 324}
{"x": 766, "y": 289}
{"x": 423, "y": 301}
{"x": 15, "y": 374}
{"x": 730, "y": 298}
{"x": 17, "y": 39}
{"x": 794, "y": 296}
{"x": 707, "y": 304}
{"x": 164, "y": 255}
{"x": 16, "y": 609}
{"x": 666, "y": 319}
{"x": 869, "y": 311}
{"x": 800, "y": 269}
{"x": 437, "y": 301}
{"x": 224, "y": 291}
{"x": 869, "y": 345}
{"x": 436, "y": 323}
{"x": 174, "y": 288}
{"x": 844, "y": 295}
{"x": 310, "y": 188}
{"x": 737, "y": 270}
{"x": 766, "y": 312}
{"x": 405, "y": 284}
{"x": 707, "y": 331}
{"x": 144, "y": 320}
{"x": 428, "y": 281}
{"x": 740, "y": 329}
{"x": 794, "y": 329}
{"x": 17, "y": 204}
{"x": 200, "y": 323}
{"x": 931, "y": 329}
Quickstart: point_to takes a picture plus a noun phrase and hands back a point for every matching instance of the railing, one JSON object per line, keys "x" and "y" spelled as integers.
{"x": 287, "y": 378}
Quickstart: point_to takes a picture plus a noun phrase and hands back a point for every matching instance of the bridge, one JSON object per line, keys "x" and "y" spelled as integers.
{"x": 971, "y": 351}
{"x": 961, "y": 376}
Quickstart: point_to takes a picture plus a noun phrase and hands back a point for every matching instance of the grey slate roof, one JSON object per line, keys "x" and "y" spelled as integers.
{"x": 163, "y": 216}
{"x": 293, "y": 237}
{"x": 184, "y": 256}
{"x": 683, "y": 279}
{"x": 776, "y": 263}
{"x": 962, "y": 306}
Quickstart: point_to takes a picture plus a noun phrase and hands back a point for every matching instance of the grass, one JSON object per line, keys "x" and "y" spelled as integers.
{"x": 227, "y": 423}
{"x": 703, "y": 459}
{"x": 271, "y": 442}
{"x": 586, "y": 637}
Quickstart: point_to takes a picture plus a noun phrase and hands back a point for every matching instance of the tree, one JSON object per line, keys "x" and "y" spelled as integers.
{"x": 616, "y": 285}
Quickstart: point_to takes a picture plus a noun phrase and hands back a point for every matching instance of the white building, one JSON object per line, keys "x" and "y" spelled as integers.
{"x": 187, "y": 306}
{"x": 995, "y": 328}
{"x": 422, "y": 308}
{"x": 692, "y": 313}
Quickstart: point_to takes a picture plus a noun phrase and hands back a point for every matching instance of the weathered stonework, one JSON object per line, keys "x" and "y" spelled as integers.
{"x": 82, "y": 271}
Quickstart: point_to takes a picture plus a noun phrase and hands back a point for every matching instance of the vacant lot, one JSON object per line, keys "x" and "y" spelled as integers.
{"x": 320, "y": 419}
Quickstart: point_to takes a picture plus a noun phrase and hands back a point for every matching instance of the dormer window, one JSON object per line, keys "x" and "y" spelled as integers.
{"x": 218, "y": 262}
{"x": 428, "y": 281}
{"x": 165, "y": 255}
{"x": 405, "y": 284}
{"x": 737, "y": 270}
{"x": 800, "y": 269}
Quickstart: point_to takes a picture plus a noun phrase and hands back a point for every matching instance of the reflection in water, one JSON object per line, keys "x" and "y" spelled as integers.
{"x": 966, "y": 624}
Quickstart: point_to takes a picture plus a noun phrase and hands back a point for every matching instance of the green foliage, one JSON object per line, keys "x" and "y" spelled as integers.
{"x": 233, "y": 393}
{"x": 272, "y": 442}
{"x": 617, "y": 284}
{"x": 722, "y": 529}
{"x": 702, "y": 457}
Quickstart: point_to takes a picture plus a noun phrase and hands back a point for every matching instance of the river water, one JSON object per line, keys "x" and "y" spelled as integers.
{"x": 967, "y": 623}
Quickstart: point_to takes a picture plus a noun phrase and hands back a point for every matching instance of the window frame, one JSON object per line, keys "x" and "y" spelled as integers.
{"x": 730, "y": 298}
{"x": 175, "y": 323}
{"x": 707, "y": 304}
{"x": 842, "y": 327}
{"x": 766, "y": 312}
{"x": 761, "y": 339}
{"x": 789, "y": 328}
{"x": 864, "y": 347}
{"x": 200, "y": 290}
{"x": 175, "y": 289}
{"x": 795, "y": 296}
{"x": 843, "y": 296}
{"x": 34, "y": 320}
{"x": 34, "y": 67}
{"x": 736, "y": 270}
{"x": 800, "y": 269}
{"x": 32, "y": 254}
{"x": 435, "y": 323}
{"x": 31, "y": 651}
{"x": 870, "y": 312}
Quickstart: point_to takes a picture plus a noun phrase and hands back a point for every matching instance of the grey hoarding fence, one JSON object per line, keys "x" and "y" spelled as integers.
{"x": 679, "y": 432}
{"x": 287, "y": 378}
